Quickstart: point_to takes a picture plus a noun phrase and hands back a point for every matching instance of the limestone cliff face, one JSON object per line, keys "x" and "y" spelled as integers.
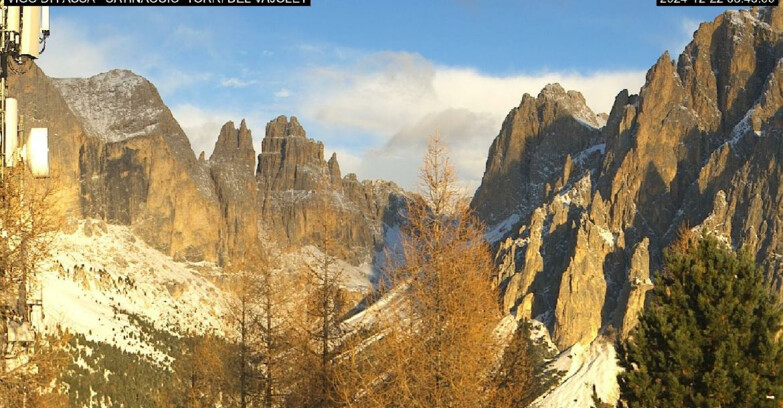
{"x": 137, "y": 167}
{"x": 525, "y": 163}
{"x": 699, "y": 145}
{"x": 232, "y": 165}
{"x": 634, "y": 293}
{"x": 291, "y": 161}
{"x": 302, "y": 196}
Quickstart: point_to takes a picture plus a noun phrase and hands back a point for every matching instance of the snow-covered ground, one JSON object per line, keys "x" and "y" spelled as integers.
{"x": 354, "y": 278}
{"x": 501, "y": 230}
{"x": 100, "y": 284}
{"x": 585, "y": 367}
{"x": 95, "y": 285}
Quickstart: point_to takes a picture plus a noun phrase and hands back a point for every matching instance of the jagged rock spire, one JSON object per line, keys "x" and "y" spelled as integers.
{"x": 538, "y": 133}
{"x": 281, "y": 127}
{"x": 291, "y": 161}
{"x": 234, "y": 145}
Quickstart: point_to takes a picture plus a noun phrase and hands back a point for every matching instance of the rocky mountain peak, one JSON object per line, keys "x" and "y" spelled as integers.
{"x": 115, "y": 105}
{"x": 297, "y": 189}
{"x": 699, "y": 145}
{"x": 234, "y": 145}
{"x": 566, "y": 103}
{"x": 136, "y": 166}
{"x": 232, "y": 167}
{"x": 525, "y": 161}
{"x": 334, "y": 171}
{"x": 664, "y": 65}
{"x": 281, "y": 127}
{"x": 553, "y": 90}
{"x": 289, "y": 160}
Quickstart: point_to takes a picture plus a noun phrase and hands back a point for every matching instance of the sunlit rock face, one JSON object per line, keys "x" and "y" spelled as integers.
{"x": 137, "y": 167}
{"x": 698, "y": 146}
{"x": 526, "y": 162}
{"x": 231, "y": 166}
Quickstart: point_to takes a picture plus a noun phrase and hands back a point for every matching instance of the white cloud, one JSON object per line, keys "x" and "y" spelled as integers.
{"x": 170, "y": 80}
{"x": 463, "y": 131}
{"x": 282, "y": 93}
{"x": 236, "y": 83}
{"x": 398, "y": 99}
{"x": 687, "y": 28}
{"x": 466, "y": 88}
{"x": 387, "y": 103}
{"x": 189, "y": 37}
{"x": 76, "y": 51}
{"x": 72, "y": 52}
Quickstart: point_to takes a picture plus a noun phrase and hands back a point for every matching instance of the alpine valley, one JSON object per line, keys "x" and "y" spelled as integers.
{"x": 578, "y": 206}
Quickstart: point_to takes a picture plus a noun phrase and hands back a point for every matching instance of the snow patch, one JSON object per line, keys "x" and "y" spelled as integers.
{"x": 587, "y": 124}
{"x": 741, "y": 129}
{"x": 575, "y": 194}
{"x": 585, "y": 154}
{"x": 586, "y": 117}
{"x": 585, "y": 368}
{"x": 354, "y": 278}
{"x": 601, "y": 121}
{"x": 607, "y": 235}
{"x": 501, "y": 229}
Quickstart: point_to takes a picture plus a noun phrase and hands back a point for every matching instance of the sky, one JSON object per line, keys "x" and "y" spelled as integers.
{"x": 373, "y": 79}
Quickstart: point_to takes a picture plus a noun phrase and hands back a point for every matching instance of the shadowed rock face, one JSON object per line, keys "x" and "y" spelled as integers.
{"x": 700, "y": 145}
{"x": 301, "y": 194}
{"x": 525, "y": 162}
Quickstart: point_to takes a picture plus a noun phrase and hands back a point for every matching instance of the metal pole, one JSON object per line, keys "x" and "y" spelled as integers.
{"x": 4, "y": 41}
{"x": 4, "y": 67}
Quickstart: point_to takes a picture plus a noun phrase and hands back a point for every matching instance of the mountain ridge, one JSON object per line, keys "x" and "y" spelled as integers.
{"x": 129, "y": 162}
{"x": 698, "y": 146}
{"x": 578, "y": 210}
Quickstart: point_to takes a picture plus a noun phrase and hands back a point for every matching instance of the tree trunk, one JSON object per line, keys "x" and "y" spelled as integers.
{"x": 3, "y": 341}
{"x": 243, "y": 357}
{"x": 325, "y": 335}
{"x": 269, "y": 347}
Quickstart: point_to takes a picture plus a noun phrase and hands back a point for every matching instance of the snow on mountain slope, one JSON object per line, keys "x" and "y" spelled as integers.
{"x": 585, "y": 368}
{"x": 502, "y": 229}
{"x": 101, "y": 282}
{"x": 354, "y": 278}
{"x": 104, "y": 102}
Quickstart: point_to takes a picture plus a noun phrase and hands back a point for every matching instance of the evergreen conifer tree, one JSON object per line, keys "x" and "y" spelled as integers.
{"x": 709, "y": 337}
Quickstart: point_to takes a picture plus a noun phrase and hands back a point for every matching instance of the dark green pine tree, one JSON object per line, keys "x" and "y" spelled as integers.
{"x": 708, "y": 338}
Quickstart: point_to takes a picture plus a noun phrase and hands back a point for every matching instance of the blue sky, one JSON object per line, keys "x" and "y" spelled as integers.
{"x": 373, "y": 79}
